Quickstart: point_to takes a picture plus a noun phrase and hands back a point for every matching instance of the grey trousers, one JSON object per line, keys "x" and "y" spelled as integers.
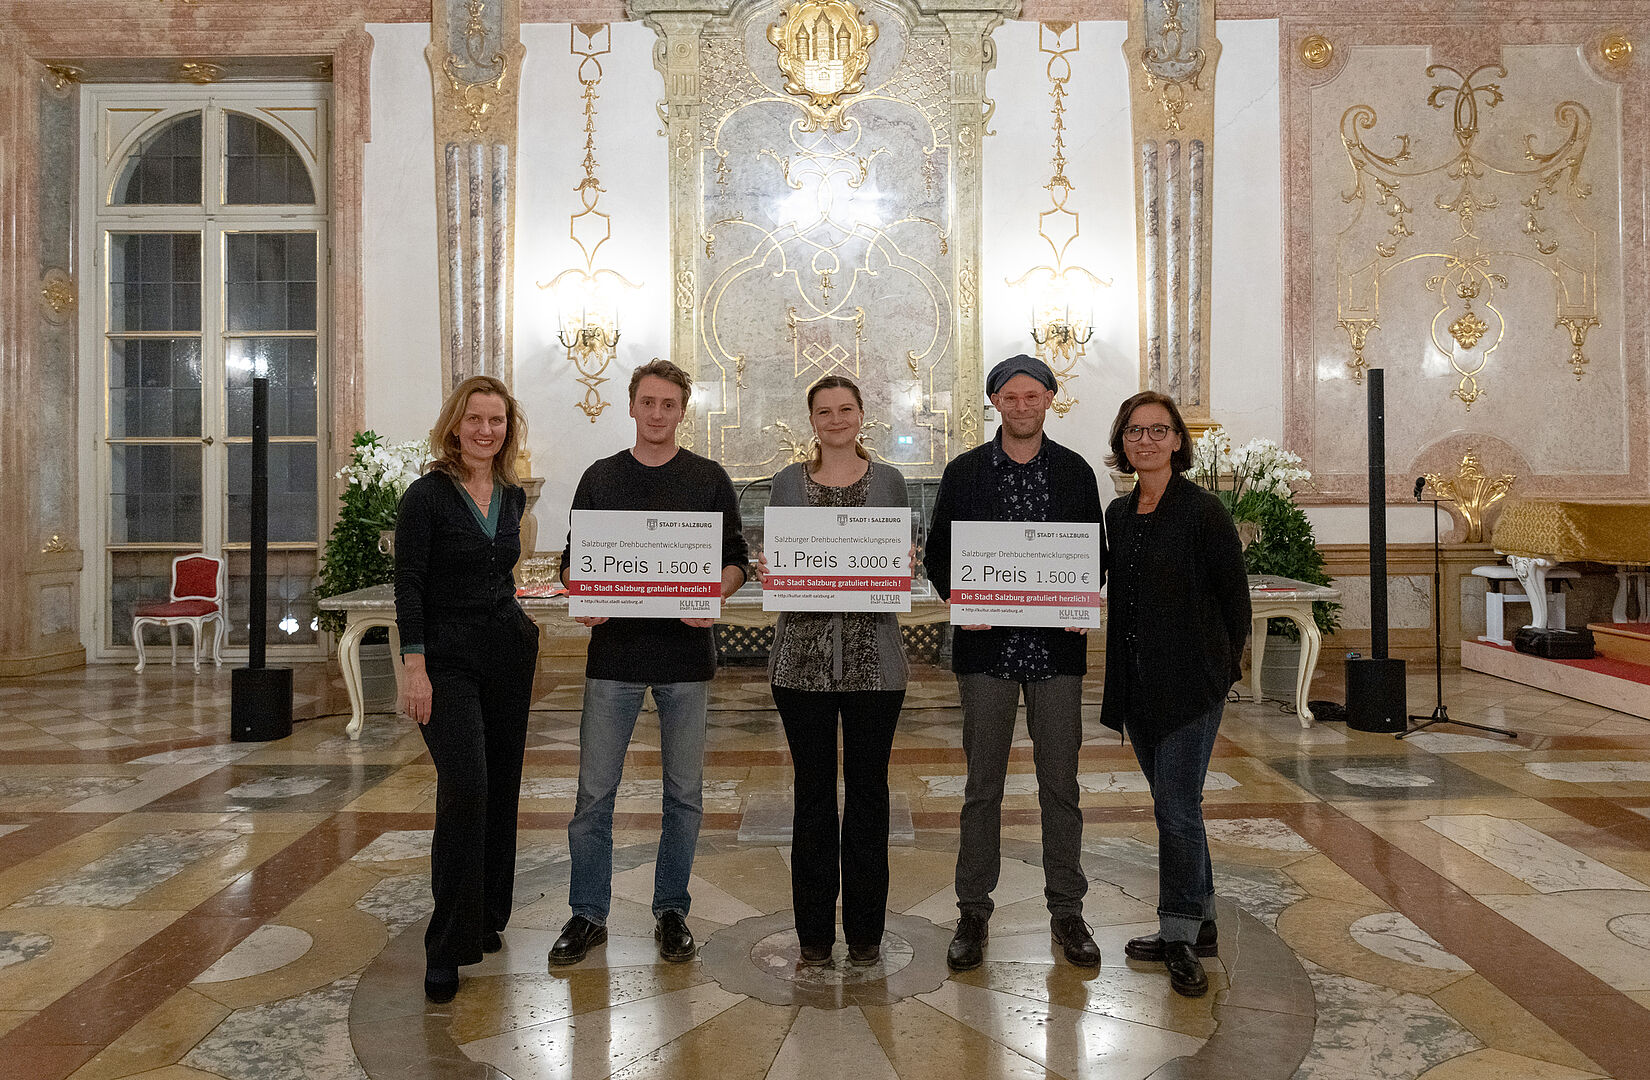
{"x": 1054, "y": 719}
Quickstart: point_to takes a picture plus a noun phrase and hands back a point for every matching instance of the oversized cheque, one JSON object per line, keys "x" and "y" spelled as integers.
{"x": 833, "y": 558}
{"x": 645, "y": 564}
{"x": 1025, "y": 573}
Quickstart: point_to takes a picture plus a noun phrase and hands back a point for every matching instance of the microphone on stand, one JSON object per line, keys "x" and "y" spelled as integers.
{"x": 1420, "y": 483}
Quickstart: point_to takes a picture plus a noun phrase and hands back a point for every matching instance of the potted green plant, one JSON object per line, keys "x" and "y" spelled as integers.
{"x": 1256, "y": 482}
{"x": 355, "y": 556}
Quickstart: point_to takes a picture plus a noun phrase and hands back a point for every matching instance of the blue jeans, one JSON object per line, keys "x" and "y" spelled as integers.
{"x": 605, "y": 727}
{"x": 1175, "y": 767}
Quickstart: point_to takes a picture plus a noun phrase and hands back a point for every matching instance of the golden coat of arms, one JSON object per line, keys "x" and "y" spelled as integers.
{"x": 824, "y": 49}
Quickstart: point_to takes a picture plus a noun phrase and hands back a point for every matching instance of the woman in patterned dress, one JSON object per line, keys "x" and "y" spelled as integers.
{"x": 825, "y": 666}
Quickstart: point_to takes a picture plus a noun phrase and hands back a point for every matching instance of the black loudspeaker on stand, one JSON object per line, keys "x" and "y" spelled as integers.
{"x": 1440, "y": 714}
{"x": 260, "y": 698}
{"x": 1375, "y": 685}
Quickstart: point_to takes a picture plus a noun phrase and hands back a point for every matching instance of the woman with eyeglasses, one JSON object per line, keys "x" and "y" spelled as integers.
{"x": 1177, "y": 616}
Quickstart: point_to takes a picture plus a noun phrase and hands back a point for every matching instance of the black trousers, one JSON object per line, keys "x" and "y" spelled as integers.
{"x": 859, "y": 862}
{"x": 482, "y": 682}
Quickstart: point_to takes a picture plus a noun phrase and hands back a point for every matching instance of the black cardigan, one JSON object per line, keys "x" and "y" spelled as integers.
{"x": 1192, "y": 605}
{"x": 969, "y": 491}
{"x": 447, "y": 570}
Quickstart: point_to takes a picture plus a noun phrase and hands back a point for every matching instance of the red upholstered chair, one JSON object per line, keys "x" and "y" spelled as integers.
{"x": 198, "y": 586}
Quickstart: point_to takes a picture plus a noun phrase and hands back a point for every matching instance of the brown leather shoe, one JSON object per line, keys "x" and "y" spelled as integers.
{"x": 864, "y": 956}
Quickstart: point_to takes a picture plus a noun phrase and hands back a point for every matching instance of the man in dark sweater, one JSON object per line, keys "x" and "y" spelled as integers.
{"x": 675, "y": 658}
{"x": 1021, "y": 475}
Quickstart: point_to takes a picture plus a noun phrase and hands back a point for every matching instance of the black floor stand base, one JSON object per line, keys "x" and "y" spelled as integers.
{"x": 1440, "y": 715}
{"x": 260, "y": 704}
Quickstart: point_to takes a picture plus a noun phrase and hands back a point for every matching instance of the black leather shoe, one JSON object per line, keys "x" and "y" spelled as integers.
{"x": 1186, "y": 975}
{"x": 491, "y": 942}
{"x": 674, "y": 938}
{"x": 440, "y": 984}
{"x": 1072, "y": 934}
{"x": 816, "y": 957}
{"x": 576, "y": 939}
{"x": 1150, "y": 947}
{"x": 967, "y": 947}
{"x": 864, "y": 956}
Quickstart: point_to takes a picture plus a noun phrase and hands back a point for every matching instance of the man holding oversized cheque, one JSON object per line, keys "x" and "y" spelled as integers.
{"x": 634, "y": 580}
{"x": 1024, "y": 645}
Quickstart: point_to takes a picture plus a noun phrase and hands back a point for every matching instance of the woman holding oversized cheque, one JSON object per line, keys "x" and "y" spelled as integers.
{"x": 830, "y": 664}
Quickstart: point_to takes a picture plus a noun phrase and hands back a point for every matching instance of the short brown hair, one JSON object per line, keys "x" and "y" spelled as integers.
{"x": 444, "y": 450}
{"x": 664, "y": 369}
{"x": 1179, "y": 461}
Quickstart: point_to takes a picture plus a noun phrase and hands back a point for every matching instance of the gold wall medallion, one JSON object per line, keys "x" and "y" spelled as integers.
{"x": 199, "y": 72}
{"x": 1472, "y": 492}
{"x": 58, "y": 295}
{"x": 1617, "y": 50}
{"x": 1317, "y": 51}
{"x": 824, "y": 48}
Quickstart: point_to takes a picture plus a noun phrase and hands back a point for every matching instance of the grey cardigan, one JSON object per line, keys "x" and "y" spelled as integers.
{"x": 887, "y": 489}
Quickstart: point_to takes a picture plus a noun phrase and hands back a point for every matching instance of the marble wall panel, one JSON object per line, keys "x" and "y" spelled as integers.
{"x": 826, "y": 248}
{"x": 1408, "y": 602}
{"x": 1414, "y": 175}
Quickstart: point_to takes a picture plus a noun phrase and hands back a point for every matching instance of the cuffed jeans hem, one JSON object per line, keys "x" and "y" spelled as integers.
{"x": 599, "y": 918}
{"x": 1173, "y": 926}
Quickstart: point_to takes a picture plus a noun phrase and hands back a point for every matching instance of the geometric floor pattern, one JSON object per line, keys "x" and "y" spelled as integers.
{"x": 176, "y": 906}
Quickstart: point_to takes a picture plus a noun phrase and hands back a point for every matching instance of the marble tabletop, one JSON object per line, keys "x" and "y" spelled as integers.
{"x": 1271, "y": 587}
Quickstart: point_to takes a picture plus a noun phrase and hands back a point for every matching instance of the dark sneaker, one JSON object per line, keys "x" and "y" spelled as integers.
{"x": 674, "y": 938}
{"x": 967, "y": 947}
{"x": 576, "y": 939}
{"x": 864, "y": 955}
{"x": 816, "y": 956}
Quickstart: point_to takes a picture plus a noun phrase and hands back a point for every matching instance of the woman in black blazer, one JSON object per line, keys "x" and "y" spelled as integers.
{"x": 1177, "y": 616}
{"x": 468, "y": 652}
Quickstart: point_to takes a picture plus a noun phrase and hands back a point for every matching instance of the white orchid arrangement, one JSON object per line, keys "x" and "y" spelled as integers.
{"x": 1257, "y": 483}
{"x": 393, "y": 465}
{"x": 1260, "y": 467}
{"x": 376, "y": 477}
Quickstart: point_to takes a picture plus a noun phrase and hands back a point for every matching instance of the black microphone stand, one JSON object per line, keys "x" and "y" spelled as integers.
{"x": 1440, "y": 714}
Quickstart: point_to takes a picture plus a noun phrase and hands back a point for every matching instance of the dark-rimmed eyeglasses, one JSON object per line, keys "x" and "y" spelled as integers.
{"x": 1158, "y": 432}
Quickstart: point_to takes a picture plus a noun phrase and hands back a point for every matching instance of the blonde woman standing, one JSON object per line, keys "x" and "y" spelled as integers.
{"x": 469, "y": 652}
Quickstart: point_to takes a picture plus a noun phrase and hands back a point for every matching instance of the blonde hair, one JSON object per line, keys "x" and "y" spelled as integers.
{"x": 444, "y": 449}
{"x": 834, "y": 382}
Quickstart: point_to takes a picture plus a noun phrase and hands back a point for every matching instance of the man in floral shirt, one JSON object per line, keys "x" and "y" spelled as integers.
{"x": 1021, "y": 475}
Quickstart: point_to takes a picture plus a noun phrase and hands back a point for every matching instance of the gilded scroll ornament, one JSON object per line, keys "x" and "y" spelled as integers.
{"x": 58, "y": 295}
{"x": 62, "y": 76}
{"x": 824, "y": 48}
{"x": 1472, "y": 492}
{"x": 587, "y": 296}
{"x": 1616, "y": 49}
{"x": 199, "y": 72}
{"x": 54, "y": 545}
{"x": 1170, "y": 63}
{"x": 1060, "y": 333}
{"x": 1317, "y": 51}
{"x": 1510, "y": 205}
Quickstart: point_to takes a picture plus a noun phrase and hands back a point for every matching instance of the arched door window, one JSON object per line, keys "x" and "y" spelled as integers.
{"x": 210, "y": 245}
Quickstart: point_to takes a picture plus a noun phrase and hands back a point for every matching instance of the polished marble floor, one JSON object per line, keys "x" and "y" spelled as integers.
{"x": 1454, "y": 906}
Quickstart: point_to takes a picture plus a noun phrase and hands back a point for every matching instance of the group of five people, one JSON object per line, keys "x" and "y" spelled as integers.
{"x": 1178, "y": 615}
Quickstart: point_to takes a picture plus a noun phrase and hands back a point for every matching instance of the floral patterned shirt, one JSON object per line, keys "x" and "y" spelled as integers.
{"x": 1023, "y": 490}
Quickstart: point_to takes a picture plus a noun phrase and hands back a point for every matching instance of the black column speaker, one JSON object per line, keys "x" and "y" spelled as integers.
{"x": 1375, "y": 685}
